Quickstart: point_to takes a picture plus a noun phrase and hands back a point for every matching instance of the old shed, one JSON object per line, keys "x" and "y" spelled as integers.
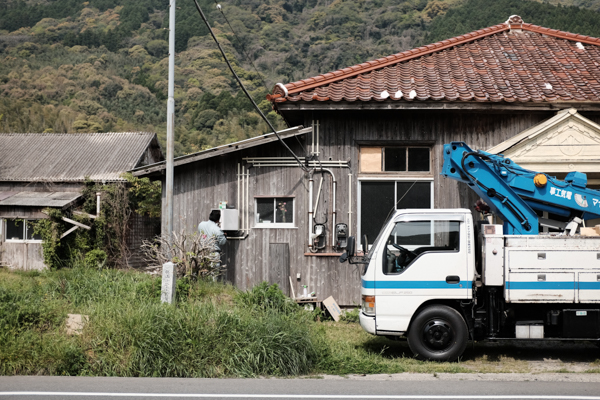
{"x": 41, "y": 170}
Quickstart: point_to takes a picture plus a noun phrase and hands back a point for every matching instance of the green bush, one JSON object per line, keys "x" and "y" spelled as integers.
{"x": 265, "y": 296}
{"x": 95, "y": 259}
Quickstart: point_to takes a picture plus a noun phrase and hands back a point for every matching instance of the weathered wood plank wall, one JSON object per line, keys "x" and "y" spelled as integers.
{"x": 200, "y": 186}
{"x": 25, "y": 256}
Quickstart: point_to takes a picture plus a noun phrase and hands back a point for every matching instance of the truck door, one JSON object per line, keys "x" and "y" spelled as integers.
{"x": 424, "y": 258}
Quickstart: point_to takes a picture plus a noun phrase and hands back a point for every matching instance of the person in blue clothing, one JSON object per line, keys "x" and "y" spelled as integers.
{"x": 212, "y": 228}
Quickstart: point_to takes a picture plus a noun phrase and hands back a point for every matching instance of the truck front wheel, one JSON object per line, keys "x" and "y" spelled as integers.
{"x": 438, "y": 333}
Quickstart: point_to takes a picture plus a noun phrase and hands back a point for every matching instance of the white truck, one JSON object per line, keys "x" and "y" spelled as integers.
{"x": 440, "y": 279}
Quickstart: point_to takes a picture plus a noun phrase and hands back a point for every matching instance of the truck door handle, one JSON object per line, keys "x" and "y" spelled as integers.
{"x": 452, "y": 279}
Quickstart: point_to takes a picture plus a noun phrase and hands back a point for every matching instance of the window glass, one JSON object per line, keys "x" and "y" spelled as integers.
{"x": 377, "y": 202}
{"x": 15, "y": 229}
{"x": 414, "y": 233}
{"x": 265, "y": 209}
{"x": 418, "y": 159}
{"x": 284, "y": 212}
{"x": 409, "y": 240}
{"x": 31, "y": 235}
{"x": 413, "y": 194}
{"x": 379, "y": 199}
{"x": 395, "y": 159}
{"x": 275, "y": 210}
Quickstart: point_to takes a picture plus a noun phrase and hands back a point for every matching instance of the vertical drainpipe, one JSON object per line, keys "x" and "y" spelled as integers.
{"x": 238, "y": 204}
{"x": 98, "y": 204}
{"x": 349, "y": 204}
{"x": 333, "y": 213}
{"x": 247, "y": 200}
{"x": 310, "y": 207}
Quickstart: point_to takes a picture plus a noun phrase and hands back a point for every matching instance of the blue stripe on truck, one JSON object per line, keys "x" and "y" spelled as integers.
{"x": 541, "y": 285}
{"x": 415, "y": 285}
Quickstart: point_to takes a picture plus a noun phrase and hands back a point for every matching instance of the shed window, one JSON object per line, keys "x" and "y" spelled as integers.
{"x": 20, "y": 230}
{"x": 409, "y": 159}
{"x": 275, "y": 212}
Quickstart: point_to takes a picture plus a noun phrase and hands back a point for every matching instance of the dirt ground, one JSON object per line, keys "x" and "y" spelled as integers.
{"x": 532, "y": 357}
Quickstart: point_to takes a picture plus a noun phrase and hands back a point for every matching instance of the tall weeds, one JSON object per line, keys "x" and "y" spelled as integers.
{"x": 213, "y": 331}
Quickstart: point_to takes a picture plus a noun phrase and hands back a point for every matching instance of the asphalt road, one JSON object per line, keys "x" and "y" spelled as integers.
{"x": 400, "y": 386}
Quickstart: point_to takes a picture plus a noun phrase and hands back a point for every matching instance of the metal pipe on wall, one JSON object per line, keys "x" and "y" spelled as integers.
{"x": 310, "y": 207}
{"x": 238, "y": 204}
{"x": 349, "y": 204}
{"x": 310, "y": 212}
{"x": 247, "y": 199}
{"x": 245, "y": 205}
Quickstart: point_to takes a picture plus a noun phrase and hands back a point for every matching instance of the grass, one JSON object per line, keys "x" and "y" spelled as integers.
{"x": 214, "y": 331}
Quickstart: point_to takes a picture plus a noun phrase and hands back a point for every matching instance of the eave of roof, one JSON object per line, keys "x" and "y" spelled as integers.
{"x": 281, "y": 92}
{"x": 221, "y": 150}
{"x": 38, "y": 199}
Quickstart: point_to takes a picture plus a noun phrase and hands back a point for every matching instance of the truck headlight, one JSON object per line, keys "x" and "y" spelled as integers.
{"x": 368, "y": 305}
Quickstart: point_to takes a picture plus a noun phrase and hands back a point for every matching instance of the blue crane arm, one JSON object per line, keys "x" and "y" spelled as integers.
{"x": 512, "y": 192}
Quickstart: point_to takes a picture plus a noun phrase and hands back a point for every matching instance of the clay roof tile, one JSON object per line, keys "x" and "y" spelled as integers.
{"x": 487, "y": 65}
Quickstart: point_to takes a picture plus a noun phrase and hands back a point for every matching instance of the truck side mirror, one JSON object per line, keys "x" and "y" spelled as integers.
{"x": 365, "y": 245}
{"x": 350, "y": 247}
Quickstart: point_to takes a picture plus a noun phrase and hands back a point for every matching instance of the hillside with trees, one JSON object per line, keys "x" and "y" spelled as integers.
{"x": 101, "y": 65}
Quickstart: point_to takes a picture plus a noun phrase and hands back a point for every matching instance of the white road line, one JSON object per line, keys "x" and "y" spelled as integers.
{"x": 296, "y": 396}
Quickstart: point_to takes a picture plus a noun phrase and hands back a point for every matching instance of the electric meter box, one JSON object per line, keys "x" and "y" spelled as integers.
{"x": 230, "y": 220}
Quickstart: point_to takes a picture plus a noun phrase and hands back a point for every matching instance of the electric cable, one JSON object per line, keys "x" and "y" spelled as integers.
{"x": 241, "y": 45}
{"x": 250, "y": 60}
{"x": 244, "y": 88}
{"x": 398, "y": 202}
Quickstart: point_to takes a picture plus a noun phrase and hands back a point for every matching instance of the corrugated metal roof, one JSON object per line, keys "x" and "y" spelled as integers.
{"x": 52, "y": 157}
{"x": 223, "y": 149}
{"x": 38, "y": 199}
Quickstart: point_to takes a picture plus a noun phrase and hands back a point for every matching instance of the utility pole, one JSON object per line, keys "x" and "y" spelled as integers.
{"x": 170, "y": 126}
{"x": 169, "y": 271}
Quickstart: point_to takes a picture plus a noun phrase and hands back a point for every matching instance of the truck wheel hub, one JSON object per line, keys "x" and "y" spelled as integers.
{"x": 437, "y": 334}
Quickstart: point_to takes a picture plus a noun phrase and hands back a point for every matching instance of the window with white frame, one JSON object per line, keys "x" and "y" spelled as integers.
{"x": 275, "y": 212}
{"x": 20, "y": 230}
{"x": 379, "y": 199}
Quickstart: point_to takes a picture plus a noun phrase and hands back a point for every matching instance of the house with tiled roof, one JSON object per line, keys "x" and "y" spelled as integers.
{"x": 373, "y": 141}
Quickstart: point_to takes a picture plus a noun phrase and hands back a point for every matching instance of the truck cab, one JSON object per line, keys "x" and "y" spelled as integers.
{"x": 421, "y": 264}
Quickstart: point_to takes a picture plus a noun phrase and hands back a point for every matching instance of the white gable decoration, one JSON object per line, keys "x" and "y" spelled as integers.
{"x": 564, "y": 143}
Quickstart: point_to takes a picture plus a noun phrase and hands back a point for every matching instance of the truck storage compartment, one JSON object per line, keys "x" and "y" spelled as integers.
{"x": 581, "y": 323}
{"x": 589, "y": 287}
{"x": 542, "y": 286}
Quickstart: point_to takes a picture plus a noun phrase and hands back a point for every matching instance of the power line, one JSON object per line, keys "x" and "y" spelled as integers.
{"x": 244, "y": 88}
{"x": 220, "y": 8}
{"x": 242, "y": 46}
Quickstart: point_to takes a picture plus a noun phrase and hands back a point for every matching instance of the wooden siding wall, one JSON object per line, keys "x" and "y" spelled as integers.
{"x": 25, "y": 256}
{"x": 199, "y": 187}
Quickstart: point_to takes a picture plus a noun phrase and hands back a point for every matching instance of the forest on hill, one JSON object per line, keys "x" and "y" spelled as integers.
{"x": 101, "y": 65}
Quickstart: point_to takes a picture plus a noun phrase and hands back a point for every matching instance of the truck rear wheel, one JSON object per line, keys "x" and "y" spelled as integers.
{"x": 438, "y": 333}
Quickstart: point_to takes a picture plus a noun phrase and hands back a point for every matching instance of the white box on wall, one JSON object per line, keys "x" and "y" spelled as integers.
{"x": 230, "y": 219}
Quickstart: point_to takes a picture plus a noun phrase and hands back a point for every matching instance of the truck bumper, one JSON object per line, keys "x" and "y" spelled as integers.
{"x": 367, "y": 323}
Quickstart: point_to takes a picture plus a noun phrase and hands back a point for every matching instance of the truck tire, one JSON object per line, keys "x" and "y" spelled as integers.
{"x": 438, "y": 333}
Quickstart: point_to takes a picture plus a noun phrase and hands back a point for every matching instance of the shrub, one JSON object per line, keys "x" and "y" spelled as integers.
{"x": 265, "y": 296}
{"x": 95, "y": 259}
